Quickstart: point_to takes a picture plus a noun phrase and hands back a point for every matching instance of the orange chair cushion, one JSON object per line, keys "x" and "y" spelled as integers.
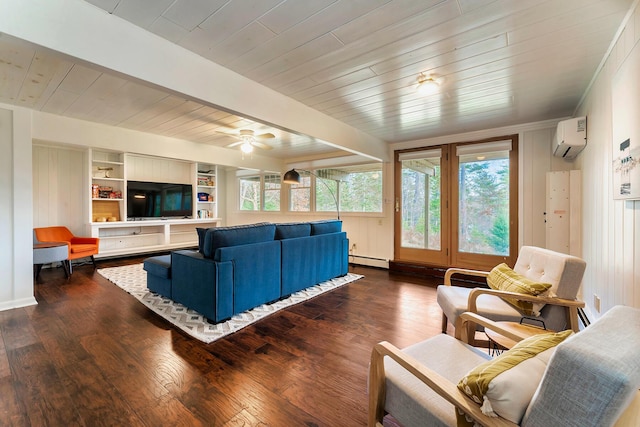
{"x": 83, "y": 248}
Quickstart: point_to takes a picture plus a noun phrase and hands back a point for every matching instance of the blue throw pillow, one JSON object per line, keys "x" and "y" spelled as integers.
{"x": 292, "y": 230}
{"x": 220, "y": 237}
{"x": 201, "y": 233}
{"x": 326, "y": 227}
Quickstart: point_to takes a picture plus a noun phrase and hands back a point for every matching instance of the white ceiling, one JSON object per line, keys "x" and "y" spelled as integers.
{"x": 501, "y": 62}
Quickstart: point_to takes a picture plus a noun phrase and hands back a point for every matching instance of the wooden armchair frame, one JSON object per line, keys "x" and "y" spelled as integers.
{"x": 571, "y": 306}
{"x": 436, "y": 382}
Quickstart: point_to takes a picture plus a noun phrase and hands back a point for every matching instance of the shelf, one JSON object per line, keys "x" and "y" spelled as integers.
{"x": 206, "y": 186}
{"x": 106, "y": 199}
{"x": 207, "y": 202}
{"x": 108, "y": 162}
{"x": 96, "y": 178}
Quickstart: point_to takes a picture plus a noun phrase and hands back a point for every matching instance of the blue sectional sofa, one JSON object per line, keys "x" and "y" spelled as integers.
{"x": 238, "y": 268}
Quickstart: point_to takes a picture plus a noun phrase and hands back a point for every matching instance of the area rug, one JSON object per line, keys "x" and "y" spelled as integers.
{"x": 133, "y": 279}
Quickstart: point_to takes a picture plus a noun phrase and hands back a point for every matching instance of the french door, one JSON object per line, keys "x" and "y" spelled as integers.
{"x": 456, "y": 204}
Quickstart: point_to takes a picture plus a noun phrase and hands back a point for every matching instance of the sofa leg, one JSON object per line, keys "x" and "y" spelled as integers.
{"x": 444, "y": 323}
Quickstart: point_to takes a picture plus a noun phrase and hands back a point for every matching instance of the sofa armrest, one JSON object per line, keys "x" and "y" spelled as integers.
{"x": 432, "y": 379}
{"x": 202, "y": 284}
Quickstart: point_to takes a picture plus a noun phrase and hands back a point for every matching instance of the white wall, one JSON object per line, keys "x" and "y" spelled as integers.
{"x": 59, "y": 188}
{"x": 611, "y": 228}
{"x": 16, "y": 241}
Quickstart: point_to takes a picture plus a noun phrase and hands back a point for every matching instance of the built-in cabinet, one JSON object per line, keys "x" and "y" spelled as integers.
{"x": 206, "y": 191}
{"x": 131, "y": 237}
{"x": 107, "y": 186}
{"x": 110, "y": 172}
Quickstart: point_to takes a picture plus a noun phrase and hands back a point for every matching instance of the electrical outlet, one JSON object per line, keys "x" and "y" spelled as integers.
{"x": 353, "y": 247}
{"x": 596, "y": 302}
{"x": 379, "y": 222}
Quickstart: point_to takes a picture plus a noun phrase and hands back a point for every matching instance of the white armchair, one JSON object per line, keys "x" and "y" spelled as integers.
{"x": 563, "y": 272}
{"x": 591, "y": 379}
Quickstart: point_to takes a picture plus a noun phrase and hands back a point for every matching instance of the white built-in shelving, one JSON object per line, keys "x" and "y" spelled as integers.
{"x": 206, "y": 191}
{"x": 108, "y": 220}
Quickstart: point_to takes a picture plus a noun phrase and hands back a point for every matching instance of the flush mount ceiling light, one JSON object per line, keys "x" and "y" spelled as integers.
{"x": 427, "y": 85}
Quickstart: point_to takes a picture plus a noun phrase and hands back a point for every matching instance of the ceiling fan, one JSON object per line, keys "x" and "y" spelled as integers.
{"x": 249, "y": 140}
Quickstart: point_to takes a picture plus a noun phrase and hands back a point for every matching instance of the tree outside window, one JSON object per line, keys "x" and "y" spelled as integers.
{"x": 250, "y": 193}
{"x": 260, "y": 192}
{"x": 300, "y": 194}
{"x": 272, "y": 186}
{"x": 357, "y": 188}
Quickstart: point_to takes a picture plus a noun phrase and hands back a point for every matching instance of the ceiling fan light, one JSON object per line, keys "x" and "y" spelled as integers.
{"x": 246, "y": 147}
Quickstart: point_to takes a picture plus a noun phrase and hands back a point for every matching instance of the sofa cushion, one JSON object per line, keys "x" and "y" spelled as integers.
{"x": 201, "y": 233}
{"x": 220, "y": 237}
{"x": 292, "y": 230}
{"x": 326, "y": 227}
{"x": 503, "y": 278}
{"x": 505, "y": 385}
{"x": 159, "y": 266}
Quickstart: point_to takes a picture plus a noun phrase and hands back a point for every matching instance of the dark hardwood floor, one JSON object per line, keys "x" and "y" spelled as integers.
{"x": 89, "y": 354}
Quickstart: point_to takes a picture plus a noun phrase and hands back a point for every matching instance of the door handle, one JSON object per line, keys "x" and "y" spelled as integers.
{"x": 397, "y": 204}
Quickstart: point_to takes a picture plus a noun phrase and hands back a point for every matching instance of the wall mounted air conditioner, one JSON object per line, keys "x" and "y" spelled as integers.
{"x": 570, "y": 138}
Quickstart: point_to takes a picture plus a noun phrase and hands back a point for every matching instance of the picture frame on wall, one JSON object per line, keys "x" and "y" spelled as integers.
{"x": 626, "y": 129}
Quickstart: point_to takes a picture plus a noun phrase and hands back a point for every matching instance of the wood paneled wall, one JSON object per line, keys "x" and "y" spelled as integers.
{"x": 611, "y": 228}
{"x": 60, "y": 187}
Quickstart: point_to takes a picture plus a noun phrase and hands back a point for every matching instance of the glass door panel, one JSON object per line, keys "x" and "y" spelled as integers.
{"x": 483, "y": 204}
{"x": 484, "y": 200}
{"x": 419, "y": 208}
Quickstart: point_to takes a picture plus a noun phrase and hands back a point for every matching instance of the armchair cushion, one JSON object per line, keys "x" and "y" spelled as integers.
{"x": 503, "y": 278}
{"x": 505, "y": 385}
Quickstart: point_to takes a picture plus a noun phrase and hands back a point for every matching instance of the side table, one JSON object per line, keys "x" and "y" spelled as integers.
{"x": 48, "y": 252}
{"x": 498, "y": 342}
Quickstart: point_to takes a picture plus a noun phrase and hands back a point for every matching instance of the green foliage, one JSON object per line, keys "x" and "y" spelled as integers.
{"x": 484, "y": 207}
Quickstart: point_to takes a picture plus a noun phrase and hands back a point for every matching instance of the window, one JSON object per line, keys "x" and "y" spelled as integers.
{"x": 357, "y": 188}
{"x": 300, "y": 194}
{"x": 272, "y": 185}
{"x": 260, "y": 192}
{"x": 250, "y": 193}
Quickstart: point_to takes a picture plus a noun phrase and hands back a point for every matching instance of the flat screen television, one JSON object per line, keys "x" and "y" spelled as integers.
{"x": 158, "y": 200}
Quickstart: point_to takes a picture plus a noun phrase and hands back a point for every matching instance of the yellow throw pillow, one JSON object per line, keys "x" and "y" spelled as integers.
{"x": 503, "y": 278}
{"x": 505, "y": 385}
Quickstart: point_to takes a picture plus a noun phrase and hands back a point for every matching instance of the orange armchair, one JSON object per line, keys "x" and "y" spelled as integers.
{"x": 79, "y": 247}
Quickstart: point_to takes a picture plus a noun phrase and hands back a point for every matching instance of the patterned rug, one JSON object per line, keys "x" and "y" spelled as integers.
{"x": 133, "y": 279}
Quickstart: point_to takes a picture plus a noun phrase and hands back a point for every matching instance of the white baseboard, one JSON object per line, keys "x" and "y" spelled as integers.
{"x": 17, "y": 303}
{"x": 369, "y": 261}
